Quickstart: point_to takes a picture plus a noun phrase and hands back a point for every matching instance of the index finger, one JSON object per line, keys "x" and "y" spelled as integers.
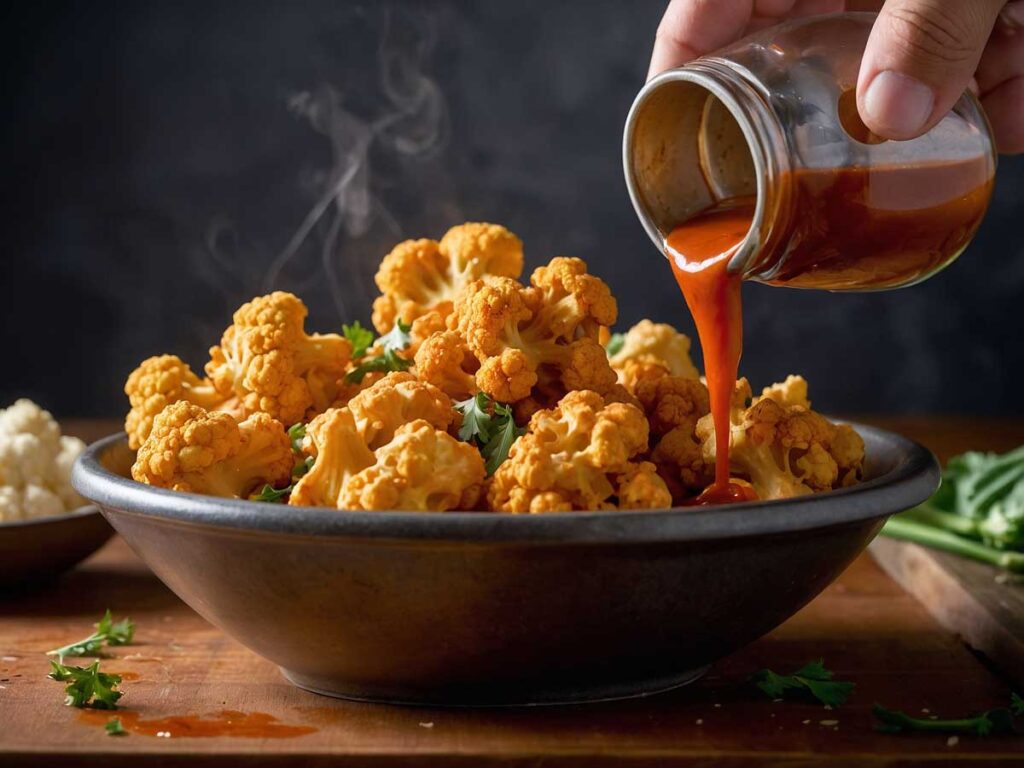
{"x": 691, "y": 28}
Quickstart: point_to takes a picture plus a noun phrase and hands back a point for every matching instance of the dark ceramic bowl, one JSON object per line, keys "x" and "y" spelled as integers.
{"x": 32, "y": 551}
{"x": 487, "y": 609}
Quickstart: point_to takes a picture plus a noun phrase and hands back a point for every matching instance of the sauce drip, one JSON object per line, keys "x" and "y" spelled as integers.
{"x": 699, "y": 252}
{"x": 253, "y": 725}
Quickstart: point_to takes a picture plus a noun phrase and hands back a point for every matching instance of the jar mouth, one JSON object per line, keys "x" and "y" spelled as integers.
{"x": 692, "y": 140}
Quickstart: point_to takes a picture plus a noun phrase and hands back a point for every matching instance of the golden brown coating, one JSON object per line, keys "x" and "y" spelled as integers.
{"x": 195, "y": 450}
{"x": 570, "y": 457}
{"x": 268, "y": 361}
{"x": 395, "y": 400}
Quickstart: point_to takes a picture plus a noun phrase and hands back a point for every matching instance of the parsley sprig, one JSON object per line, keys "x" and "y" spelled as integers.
{"x": 491, "y": 426}
{"x": 998, "y": 720}
{"x": 388, "y": 359}
{"x": 615, "y": 344}
{"x": 360, "y": 337}
{"x": 812, "y": 678}
{"x": 114, "y": 727}
{"x": 108, "y": 632}
{"x": 87, "y": 686}
{"x": 273, "y": 495}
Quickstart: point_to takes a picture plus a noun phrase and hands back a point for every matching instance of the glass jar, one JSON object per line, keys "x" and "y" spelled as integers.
{"x": 774, "y": 118}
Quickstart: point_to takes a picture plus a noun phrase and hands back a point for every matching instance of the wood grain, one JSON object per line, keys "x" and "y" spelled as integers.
{"x": 865, "y": 627}
{"x": 977, "y": 601}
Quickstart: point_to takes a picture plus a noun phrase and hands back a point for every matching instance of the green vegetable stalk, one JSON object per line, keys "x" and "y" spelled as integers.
{"x": 977, "y": 512}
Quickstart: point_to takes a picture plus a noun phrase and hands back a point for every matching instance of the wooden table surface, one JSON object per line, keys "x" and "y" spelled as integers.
{"x": 181, "y": 673}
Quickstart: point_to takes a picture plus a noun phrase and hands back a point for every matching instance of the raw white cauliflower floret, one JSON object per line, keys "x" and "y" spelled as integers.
{"x": 35, "y": 464}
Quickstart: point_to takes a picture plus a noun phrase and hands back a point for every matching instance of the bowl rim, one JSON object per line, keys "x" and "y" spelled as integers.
{"x": 83, "y": 511}
{"x": 913, "y": 479}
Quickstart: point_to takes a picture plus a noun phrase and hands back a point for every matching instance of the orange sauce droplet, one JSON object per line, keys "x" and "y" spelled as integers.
{"x": 699, "y": 251}
{"x": 251, "y": 725}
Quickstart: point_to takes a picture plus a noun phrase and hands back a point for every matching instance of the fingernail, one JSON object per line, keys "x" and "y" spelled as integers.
{"x": 897, "y": 105}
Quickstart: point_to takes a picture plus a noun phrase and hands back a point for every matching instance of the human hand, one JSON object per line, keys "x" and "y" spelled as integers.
{"x": 920, "y": 57}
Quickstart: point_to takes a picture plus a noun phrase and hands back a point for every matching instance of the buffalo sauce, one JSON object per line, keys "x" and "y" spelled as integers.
{"x": 699, "y": 252}
{"x": 847, "y": 229}
{"x": 250, "y": 725}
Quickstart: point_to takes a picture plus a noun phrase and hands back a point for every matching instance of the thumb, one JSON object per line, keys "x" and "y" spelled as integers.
{"x": 920, "y": 57}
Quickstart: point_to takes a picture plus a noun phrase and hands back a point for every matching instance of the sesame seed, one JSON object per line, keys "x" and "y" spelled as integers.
{"x": 426, "y": 725}
{"x": 828, "y": 722}
{"x": 700, "y": 721}
{"x": 952, "y": 741}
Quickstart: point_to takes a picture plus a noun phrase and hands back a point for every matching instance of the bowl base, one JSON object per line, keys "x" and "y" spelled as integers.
{"x": 539, "y": 698}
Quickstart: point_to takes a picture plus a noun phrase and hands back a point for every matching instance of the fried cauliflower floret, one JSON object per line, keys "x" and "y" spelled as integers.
{"x": 656, "y": 343}
{"x": 272, "y": 365}
{"x": 397, "y": 399}
{"x": 160, "y": 381}
{"x": 340, "y": 452}
{"x": 421, "y": 470}
{"x": 673, "y": 406}
{"x": 421, "y": 278}
{"x": 445, "y": 361}
{"x": 544, "y": 334}
{"x": 792, "y": 391}
{"x": 199, "y": 451}
{"x": 570, "y": 457}
{"x": 640, "y": 487}
{"x": 786, "y": 450}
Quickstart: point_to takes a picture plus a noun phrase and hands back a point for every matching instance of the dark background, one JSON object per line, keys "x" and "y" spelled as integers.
{"x": 158, "y": 160}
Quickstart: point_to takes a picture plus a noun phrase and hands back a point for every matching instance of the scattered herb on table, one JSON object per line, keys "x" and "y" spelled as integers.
{"x": 87, "y": 686}
{"x": 491, "y": 426}
{"x": 114, "y": 727}
{"x": 388, "y": 359}
{"x": 615, "y": 344}
{"x": 813, "y": 679}
{"x": 360, "y": 337}
{"x": 998, "y": 720}
{"x": 107, "y": 632}
{"x": 977, "y": 512}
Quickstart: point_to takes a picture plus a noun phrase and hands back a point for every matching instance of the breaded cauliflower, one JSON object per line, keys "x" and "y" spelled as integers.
{"x": 544, "y": 335}
{"x": 35, "y": 464}
{"x": 340, "y": 452}
{"x": 421, "y": 470}
{"x": 194, "y": 450}
{"x": 673, "y": 405}
{"x": 272, "y": 365}
{"x": 792, "y": 391}
{"x": 786, "y": 450}
{"x": 420, "y": 279}
{"x": 640, "y": 487}
{"x": 574, "y": 456}
{"x": 445, "y": 361}
{"x": 160, "y": 381}
{"x": 656, "y": 343}
{"x": 397, "y": 399}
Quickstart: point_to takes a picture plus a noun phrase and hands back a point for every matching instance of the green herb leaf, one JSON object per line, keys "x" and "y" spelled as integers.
{"x": 476, "y": 418}
{"x": 999, "y": 720}
{"x": 107, "y": 632}
{"x": 615, "y": 344}
{"x": 87, "y": 686}
{"x": 1017, "y": 705}
{"x": 273, "y": 495}
{"x": 387, "y": 361}
{"x": 114, "y": 727}
{"x": 397, "y": 338}
{"x": 301, "y": 468}
{"x": 297, "y": 433}
{"x": 812, "y": 678}
{"x": 503, "y": 434}
{"x": 360, "y": 337}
